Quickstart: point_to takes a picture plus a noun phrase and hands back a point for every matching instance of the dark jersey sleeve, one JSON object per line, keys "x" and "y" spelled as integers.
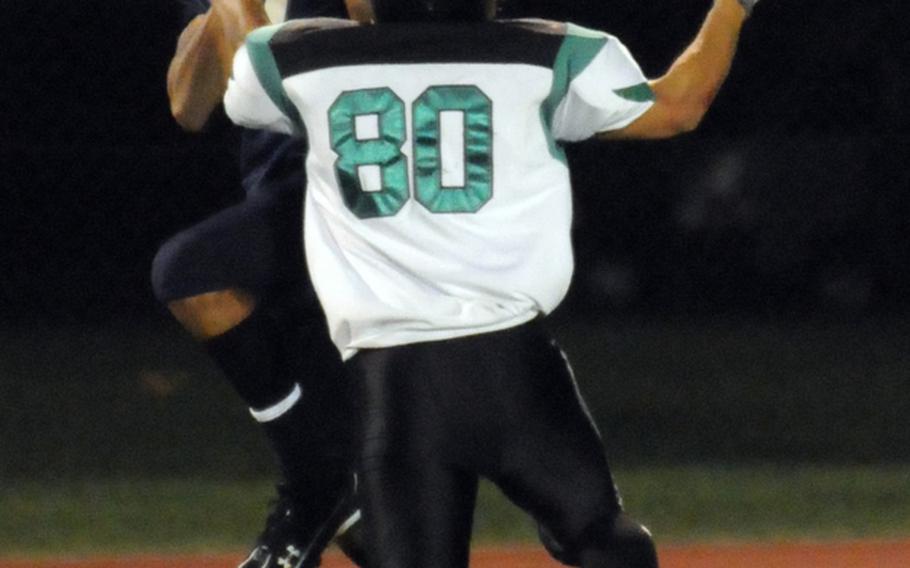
{"x": 315, "y": 9}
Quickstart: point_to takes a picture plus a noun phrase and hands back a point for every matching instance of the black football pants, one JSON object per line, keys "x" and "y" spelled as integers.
{"x": 436, "y": 416}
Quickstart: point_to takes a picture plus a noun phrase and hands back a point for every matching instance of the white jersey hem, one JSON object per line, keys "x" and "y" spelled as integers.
{"x": 406, "y": 337}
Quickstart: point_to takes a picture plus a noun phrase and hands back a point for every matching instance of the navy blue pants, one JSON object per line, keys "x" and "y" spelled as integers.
{"x": 257, "y": 244}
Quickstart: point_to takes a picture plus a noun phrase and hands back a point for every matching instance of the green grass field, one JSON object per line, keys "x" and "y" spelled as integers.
{"x": 132, "y": 399}
{"x": 680, "y": 504}
{"x": 122, "y": 437}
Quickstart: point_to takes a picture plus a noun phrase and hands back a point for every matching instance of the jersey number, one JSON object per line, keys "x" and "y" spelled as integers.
{"x": 452, "y": 137}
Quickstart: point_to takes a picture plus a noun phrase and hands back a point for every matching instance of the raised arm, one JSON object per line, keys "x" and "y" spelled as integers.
{"x": 199, "y": 71}
{"x": 684, "y": 93}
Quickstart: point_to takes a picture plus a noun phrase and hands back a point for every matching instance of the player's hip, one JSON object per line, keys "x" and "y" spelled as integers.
{"x": 471, "y": 399}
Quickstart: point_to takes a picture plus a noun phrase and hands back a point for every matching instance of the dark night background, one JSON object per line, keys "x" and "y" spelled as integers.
{"x": 792, "y": 197}
{"x": 740, "y": 293}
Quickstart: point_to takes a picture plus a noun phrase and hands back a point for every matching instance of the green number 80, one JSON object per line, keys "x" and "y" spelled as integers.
{"x": 381, "y": 150}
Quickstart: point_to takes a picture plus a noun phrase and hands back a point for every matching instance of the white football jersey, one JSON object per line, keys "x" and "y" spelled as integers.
{"x": 438, "y": 200}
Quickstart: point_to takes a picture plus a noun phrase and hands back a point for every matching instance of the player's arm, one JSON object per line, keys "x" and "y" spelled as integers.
{"x": 359, "y": 11}
{"x": 199, "y": 71}
{"x": 684, "y": 93}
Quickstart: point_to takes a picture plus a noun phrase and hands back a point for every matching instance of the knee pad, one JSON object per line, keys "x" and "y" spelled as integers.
{"x": 193, "y": 263}
{"x": 234, "y": 248}
{"x": 621, "y": 539}
{"x": 187, "y": 266}
{"x": 166, "y": 270}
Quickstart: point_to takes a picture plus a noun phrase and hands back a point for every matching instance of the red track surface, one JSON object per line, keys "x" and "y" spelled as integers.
{"x": 859, "y": 554}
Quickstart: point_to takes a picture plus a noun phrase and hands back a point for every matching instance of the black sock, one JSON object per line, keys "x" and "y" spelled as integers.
{"x": 291, "y": 377}
{"x": 315, "y": 459}
{"x": 316, "y": 434}
{"x": 249, "y": 355}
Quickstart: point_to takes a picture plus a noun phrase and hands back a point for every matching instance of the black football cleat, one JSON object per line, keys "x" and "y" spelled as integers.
{"x": 291, "y": 540}
{"x": 350, "y": 538}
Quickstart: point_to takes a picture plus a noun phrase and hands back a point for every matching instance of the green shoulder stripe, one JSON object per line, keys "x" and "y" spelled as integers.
{"x": 578, "y": 50}
{"x": 637, "y": 93}
{"x": 266, "y": 68}
{"x": 640, "y": 93}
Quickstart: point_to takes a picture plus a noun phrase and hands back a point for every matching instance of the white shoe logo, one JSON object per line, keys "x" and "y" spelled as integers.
{"x": 255, "y": 560}
{"x": 288, "y": 561}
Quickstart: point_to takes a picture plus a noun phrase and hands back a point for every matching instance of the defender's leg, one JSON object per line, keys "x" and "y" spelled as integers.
{"x": 211, "y": 314}
{"x": 277, "y": 355}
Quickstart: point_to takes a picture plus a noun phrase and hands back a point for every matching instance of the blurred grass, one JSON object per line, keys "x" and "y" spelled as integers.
{"x": 680, "y": 504}
{"x": 122, "y": 436}
{"x": 826, "y": 389}
{"x": 119, "y": 399}
{"x": 728, "y": 503}
{"x": 133, "y": 398}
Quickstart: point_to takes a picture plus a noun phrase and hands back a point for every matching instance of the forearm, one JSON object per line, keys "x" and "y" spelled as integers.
{"x": 198, "y": 73}
{"x": 684, "y": 93}
{"x": 694, "y": 79}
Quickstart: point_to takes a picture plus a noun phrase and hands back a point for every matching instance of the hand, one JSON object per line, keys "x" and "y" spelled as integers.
{"x": 360, "y": 11}
{"x": 238, "y": 18}
{"x": 199, "y": 71}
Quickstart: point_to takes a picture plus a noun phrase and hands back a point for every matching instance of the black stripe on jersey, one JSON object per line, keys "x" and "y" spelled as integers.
{"x": 300, "y": 49}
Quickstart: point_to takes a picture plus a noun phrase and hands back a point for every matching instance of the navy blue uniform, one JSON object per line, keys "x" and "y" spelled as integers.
{"x": 283, "y": 346}
{"x": 257, "y": 244}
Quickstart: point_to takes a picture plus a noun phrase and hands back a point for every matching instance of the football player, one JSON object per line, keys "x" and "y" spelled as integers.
{"x": 236, "y": 282}
{"x": 437, "y": 225}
